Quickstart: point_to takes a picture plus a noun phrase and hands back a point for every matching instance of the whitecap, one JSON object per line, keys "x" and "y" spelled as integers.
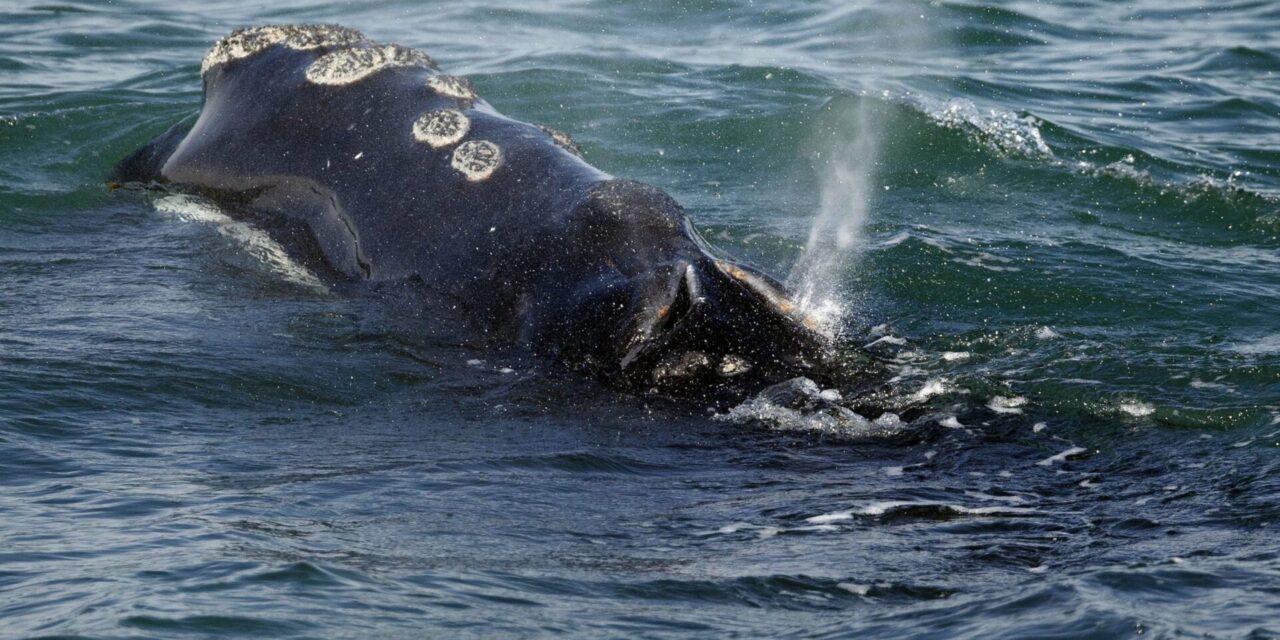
{"x": 1046, "y": 333}
{"x": 1002, "y": 404}
{"x": 1136, "y": 408}
{"x": 934, "y": 387}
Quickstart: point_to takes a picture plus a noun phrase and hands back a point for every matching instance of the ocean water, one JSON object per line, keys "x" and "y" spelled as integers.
{"x": 1056, "y": 223}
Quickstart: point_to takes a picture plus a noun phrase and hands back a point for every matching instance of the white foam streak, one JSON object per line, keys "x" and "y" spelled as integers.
{"x": 1061, "y": 457}
{"x": 255, "y": 241}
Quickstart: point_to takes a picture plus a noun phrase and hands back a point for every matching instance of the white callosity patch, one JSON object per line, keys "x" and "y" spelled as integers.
{"x": 452, "y": 86}
{"x": 562, "y": 140}
{"x": 254, "y": 40}
{"x": 350, "y": 65}
{"x": 477, "y": 159}
{"x": 441, "y": 128}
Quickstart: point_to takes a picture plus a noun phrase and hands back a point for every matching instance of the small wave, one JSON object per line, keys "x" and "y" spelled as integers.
{"x": 1004, "y": 132}
{"x": 1002, "y": 404}
{"x": 1265, "y": 345}
{"x": 934, "y": 387}
{"x": 800, "y": 404}
{"x": 1021, "y": 135}
{"x": 917, "y": 509}
{"x": 1137, "y": 408}
{"x": 1062, "y": 457}
{"x": 1046, "y": 333}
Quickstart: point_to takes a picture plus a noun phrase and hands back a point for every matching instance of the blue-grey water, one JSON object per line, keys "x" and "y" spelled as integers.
{"x": 1070, "y": 263}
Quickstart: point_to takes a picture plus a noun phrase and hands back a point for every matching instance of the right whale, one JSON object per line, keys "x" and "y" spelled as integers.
{"x": 366, "y": 157}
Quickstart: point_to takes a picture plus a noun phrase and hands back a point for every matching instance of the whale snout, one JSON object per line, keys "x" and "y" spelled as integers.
{"x": 705, "y": 321}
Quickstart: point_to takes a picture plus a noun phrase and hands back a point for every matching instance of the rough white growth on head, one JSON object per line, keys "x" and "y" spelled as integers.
{"x": 441, "y": 128}
{"x": 350, "y": 65}
{"x": 477, "y": 159}
{"x": 254, "y": 40}
{"x": 452, "y": 86}
{"x": 562, "y": 140}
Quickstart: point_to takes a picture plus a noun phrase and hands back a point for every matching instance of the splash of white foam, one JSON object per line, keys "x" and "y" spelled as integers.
{"x": 1046, "y": 333}
{"x": 1002, "y": 131}
{"x": 855, "y": 588}
{"x": 1001, "y": 404}
{"x": 1137, "y": 408}
{"x": 255, "y": 241}
{"x": 934, "y": 387}
{"x": 801, "y": 405}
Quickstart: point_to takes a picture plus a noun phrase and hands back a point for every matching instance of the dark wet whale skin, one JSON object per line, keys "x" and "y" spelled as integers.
{"x": 546, "y": 252}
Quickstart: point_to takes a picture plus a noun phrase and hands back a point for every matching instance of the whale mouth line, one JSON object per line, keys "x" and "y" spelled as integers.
{"x": 656, "y": 329}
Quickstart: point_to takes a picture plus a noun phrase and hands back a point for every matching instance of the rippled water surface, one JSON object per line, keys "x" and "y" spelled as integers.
{"x": 1070, "y": 266}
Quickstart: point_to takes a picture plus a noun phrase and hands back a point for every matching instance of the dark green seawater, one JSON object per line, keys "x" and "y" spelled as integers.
{"x": 1070, "y": 264}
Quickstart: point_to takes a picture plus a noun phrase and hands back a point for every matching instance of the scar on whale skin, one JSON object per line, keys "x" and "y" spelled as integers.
{"x": 477, "y": 159}
{"x": 441, "y": 128}
{"x": 350, "y": 65}
{"x": 251, "y": 41}
{"x": 452, "y": 86}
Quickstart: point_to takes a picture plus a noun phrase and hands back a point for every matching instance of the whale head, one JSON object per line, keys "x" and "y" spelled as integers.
{"x": 660, "y": 310}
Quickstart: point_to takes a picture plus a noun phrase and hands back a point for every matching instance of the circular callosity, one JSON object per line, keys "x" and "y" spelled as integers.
{"x": 477, "y": 159}
{"x": 441, "y": 128}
